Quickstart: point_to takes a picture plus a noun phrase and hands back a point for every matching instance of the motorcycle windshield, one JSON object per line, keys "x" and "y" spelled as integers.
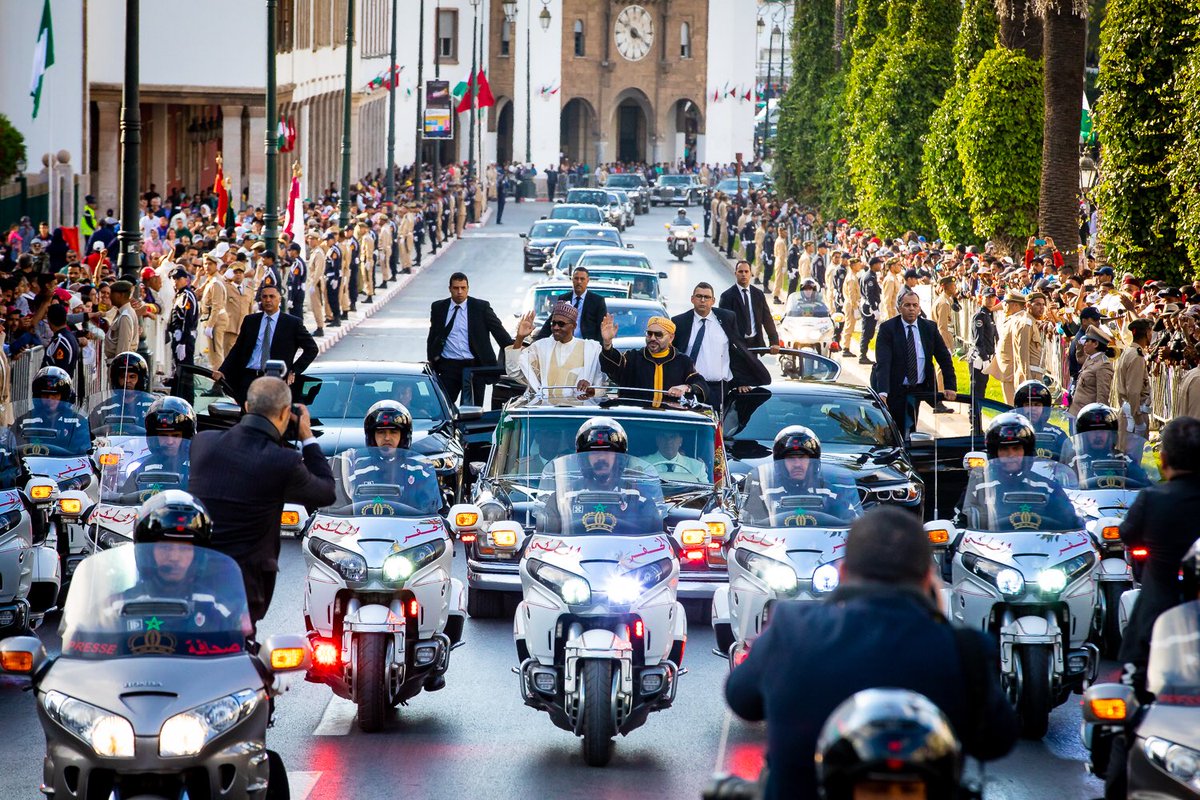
{"x": 1174, "y": 671}
{"x": 135, "y": 468}
{"x": 161, "y": 599}
{"x": 801, "y": 306}
{"x": 599, "y": 494}
{"x": 1019, "y": 494}
{"x": 119, "y": 413}
{"x": 50, "y": 427}
{"x": 384, "y": 482}
{"x": 1053, "y": 429}
{"x": 798, "y": 493}
{"x": 1099, "y": 464}
{"x": 11, "y": 473}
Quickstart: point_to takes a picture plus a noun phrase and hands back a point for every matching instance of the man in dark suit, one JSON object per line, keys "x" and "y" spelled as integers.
{"x": 245, "y": 475}
{"x": 460, "y": 332}
{"x": 749, "y": 305}
{"x": 906, "y": 348}
{"x": 710, "y": 338}
{"x": 269, "y": 335}
{"x": 589, "y": 306}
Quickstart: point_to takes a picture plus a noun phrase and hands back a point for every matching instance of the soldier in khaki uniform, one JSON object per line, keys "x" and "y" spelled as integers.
{"x": 1131, "y": 392}
{"x": 850, "y": 308}
{"x": 760, "y": 234}
{"x": 714, "y": 224}
{"x": 213, "y": 318}
{"x": 239, "y": 301}
{"x": 366, "y": 258}
{"x": 387, "y": 240}
{"x": 404, "y": 238}
{"x": 779, "y": 279}
{"x": 346, "y": 248}
{"x": 1094, "y": 384}
{"x": 1035, "y": 307}
{"x": 1189, "y": 395}
{"x": 123, "y": 332}
{"x": 1011, "y": 364}
{"x": 722, "y": 224}
{"x": 943, "y": 317}
{"x": 460, "y": 209}
{"x": 315, "y": 284}
{"x": 889, "y": 290}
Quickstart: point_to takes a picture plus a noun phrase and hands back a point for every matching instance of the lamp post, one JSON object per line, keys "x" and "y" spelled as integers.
{"x": 418, "y": 165}
{"x": 344, "y": 199}
{"x": 1088, "y": 172}
{"x": 473, "y": 86}
{"x": 389, "y": 191}
{"x": 129, "y": 240}
{"x": 767, "y": 89}
{"x": 271, "y": 216}
{"x": 510, "y": 17}
{"x": 24, "y": 181}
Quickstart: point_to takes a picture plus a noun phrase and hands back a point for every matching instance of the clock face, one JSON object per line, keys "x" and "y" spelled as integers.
{"x": 634, "y": 32}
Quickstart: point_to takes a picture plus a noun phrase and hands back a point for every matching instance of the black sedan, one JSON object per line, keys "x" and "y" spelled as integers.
{"x": 543, "y": 235}
{"x": 852, "y": 423}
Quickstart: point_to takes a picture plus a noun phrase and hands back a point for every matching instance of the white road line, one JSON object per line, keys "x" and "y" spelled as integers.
{"x": 338, "y": 718}
{"x": 301, "y": 784}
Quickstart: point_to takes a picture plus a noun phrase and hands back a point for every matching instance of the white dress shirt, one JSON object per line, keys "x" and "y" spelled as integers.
{"x": 712, "y": 362}
{"x": 749, "y": 301}
{"x": 256, "y": 356}
{"x": 916, "y": 332}
{"x": 578, "y": 299}
{"x": 458, "y": 346}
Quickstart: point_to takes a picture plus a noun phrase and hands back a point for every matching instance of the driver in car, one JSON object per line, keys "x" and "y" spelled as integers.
{"x": 681, "y": 219}
{"x": 388, "y": 430}
{"x": 129, "y": 379}
{"x": 549, "y": 443}
{"x": 1096, "y": 432}
{"x": 1034, "y": 400}
{"x": 51, "y": 411}
{"x": 1010, "y": 468}
{"x": 670, "y": 462}
{"x": 796, "y": 471}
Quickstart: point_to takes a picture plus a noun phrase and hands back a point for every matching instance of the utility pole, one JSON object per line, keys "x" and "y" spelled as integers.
{"x": 129, "y": 240}
{"x": 528, "y": 92}
{"x": 344, "y": 199}
{"x": 418, "y": 165}
{"x": 473, "y": 87}
{"x": 271, "y": 215}
{"x": 390, "y": 183}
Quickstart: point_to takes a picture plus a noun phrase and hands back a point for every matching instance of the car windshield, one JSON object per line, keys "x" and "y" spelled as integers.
{"x": 800, "y": 492}
{"x": 840, "y": 422}
{"x": 1100, "y": 465}
{"x": 135, "y": 468}
{"x": 731, "y": 186}
{"x": 161, "y": 599}
{"x": 625, "y": 181}
{"x": 614, "y": 258}
{"x": 1019, "y": 493}
{"x": 593, "y": 236}
{"x": 644, "y": 286}
{"x": 551, "y": 229}
{"x": 344, "y": 395}
{"x": 590, "y": 196}
{"x": 119, "y": 413}
{"x": 1174, "y": 671}
{"x": 544, "y": 298}
{"x": 680, "y": 452}
{"x": 50, "y": 427}
{"x": 799, "y": 306}
{"x": 599, "y": 494}
{"x": 675, "y": 180}
{"x": 384, "y": 482}
{"x": 577, "y": 213}
{"x": 632, "y": 320}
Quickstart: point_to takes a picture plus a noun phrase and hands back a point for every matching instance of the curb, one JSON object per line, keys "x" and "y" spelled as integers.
{"x": 334, "y": 335}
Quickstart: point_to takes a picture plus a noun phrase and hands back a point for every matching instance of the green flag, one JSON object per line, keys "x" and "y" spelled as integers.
{"x": 43, "y": 57}
{"x": 460, "y": 89}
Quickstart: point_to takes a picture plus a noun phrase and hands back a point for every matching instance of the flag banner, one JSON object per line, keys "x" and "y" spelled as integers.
{"x": 43, "y": 57}
{"x": 486, "y": 98}
{"x": 294, "y": 221}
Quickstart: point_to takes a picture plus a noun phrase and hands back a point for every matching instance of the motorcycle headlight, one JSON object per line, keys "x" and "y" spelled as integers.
{"x": 1008, "y": 581}
{"x": 625, "y": 588}
{"x": 780, "y": 577}
{"x": 399, "y": 567}
{"x": 1053, "y": 580}
{"x": 350, "y": 566}
{"x": 107, "y": 733}
{"x": 826, "y": 578}
{"x": 1181, "y": 763}
{"x": 572, "y": 588}
{"x": 186, "y": 734}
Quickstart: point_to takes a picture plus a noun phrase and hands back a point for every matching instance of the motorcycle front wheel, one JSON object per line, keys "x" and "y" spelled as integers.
{"x": 371, "y": 681}
{"x": 1034, "y": 700}
{"x": 599, "y": 728}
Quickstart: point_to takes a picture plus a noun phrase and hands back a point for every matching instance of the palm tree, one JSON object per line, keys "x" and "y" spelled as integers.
{"x": 1019, "y": 29}
{"x": 1065, "y": 47}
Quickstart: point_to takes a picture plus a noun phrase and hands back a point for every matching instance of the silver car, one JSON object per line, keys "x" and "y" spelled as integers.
{"x": 627, "y": 203}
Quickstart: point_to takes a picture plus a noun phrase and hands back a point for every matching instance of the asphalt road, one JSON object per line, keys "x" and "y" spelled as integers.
{"x": 475, "y": 738}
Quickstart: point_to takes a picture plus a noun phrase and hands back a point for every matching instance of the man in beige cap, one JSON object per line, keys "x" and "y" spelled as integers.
{"x": 366, "y": 257}
{"x": 1094, "y": 384}
{"x": 1131, "y": 391}
{"x": 1010, "y": 366}
{"x": 239, "y": 301}
{"x": 213, "y": 318}
{"x": 315, "y": 283}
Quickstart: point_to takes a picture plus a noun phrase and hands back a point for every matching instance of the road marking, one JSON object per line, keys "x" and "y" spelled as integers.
{"x": 301, "y": 784}
{"x": 338, "y": 718}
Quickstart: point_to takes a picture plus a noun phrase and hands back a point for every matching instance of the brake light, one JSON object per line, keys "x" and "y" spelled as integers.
{"x": 325, "y": 654}
{"x": 466, "y": 538}
{"x": 413, "y": 608}
{"x": 740, "y": 654}
{"x": 639, "y": 629}
{"x": 1140, "y": 552}
{"x": 694, "y": 555}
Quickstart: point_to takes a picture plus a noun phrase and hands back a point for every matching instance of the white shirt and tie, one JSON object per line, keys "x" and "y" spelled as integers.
{"x": 712, "y": 357}
{"x": 911, "y": 329}
{"x": 262, "y": 345}
{"x": 577, "y": 301}
{"x": 458, "y": 346}
{"x": 751, "y": 329}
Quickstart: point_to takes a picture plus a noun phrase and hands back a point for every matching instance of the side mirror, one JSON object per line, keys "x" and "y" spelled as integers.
{"x": 468, "y": 413}
{"x": 663, "y": 275}
{"x": 1109, "y": 704}
{"x": 72, "y": 505}
{"x": 523, "y": 236}
{"x": 41, "y": 491}
{"x": 1108, "y": 530}
{"x": 719, "y": 527}
{"x": 225, "y": 409}
{"x": 464, "y": 518}
{"x": 975, "y": 460}
{"x": 920, "y": 436}
{"x": 22, "y": 655}
{"x": 505, "y": 535}
{"x": 940, "y": 532}
{"x": 629, "y": 246}
{"x": 286, "y": 652}
{"x": 476, "y": 468}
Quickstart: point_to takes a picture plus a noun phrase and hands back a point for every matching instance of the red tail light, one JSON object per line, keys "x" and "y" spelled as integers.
{"x": 694, "y": 555}
{"x": 740, "y": 655}
{"x": 466, "y": 538}
{"x": 413, "y": 608}
{"x": 325, "y": 653}
{"x": 1140, "y": 552}
{"x": 639, "y": 630}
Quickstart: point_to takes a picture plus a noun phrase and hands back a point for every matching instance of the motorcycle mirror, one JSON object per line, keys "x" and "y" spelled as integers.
{"x": 464, "y": 518}
{"x": 286, "y": 652}
{"x": 1109, "y": 704}
{"x": 22, "y": 655}
{"x": 41, "y": 491}
{"x": 974, "y": 460}
{"x": 940, "y": 533}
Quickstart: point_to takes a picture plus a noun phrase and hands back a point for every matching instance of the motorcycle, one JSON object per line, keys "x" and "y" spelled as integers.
{"x": 681, "y": 240}
{"x": 28, "y": 566}
{"x": 382, "y": 610}
{"x": 132, "y": 470}
{"x": 599, "y": 631}
{"x": 1022, "y": 567}
{"x": 792, "y": 535}
{"x": 1160, "y": 741}
{"x": 123, "y": 712}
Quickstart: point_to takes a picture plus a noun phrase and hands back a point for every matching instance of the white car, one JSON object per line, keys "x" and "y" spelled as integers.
{"x": 612, "y": 257}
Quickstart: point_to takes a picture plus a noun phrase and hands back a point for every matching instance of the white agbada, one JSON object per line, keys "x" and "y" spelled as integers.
{"x": 550, "y": 363}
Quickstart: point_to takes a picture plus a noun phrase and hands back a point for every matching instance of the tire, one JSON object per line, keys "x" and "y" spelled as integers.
{"x": 277, "y": 780}
{"x": 598, "y": 727}
{"x": 1035, "y": 700}
{"x": 371, "y": 681}
{"x": 1110, "y": 633}
{"x": 1116, "y": 780}
{"x": 484, "y": 604}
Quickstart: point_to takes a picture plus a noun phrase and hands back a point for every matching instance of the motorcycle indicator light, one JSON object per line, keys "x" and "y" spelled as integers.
{"x": 716, "y": 529}
{"x": 1110, "y": 709}
{"x": 1110, "y": 533}
{"x": 41, "y": 492}
{"x": 466, "y": 519}
{"x": 287, "y": 657}
{"x": 17, "y": 661}
{"x": 939, "y": 536}
{"x": 504, "y": 538}
{"x": 692, "y": 538}
{"x": 110, "y": 459}
{"x": 289, "y": 518}
{"x": 70, "y": 505}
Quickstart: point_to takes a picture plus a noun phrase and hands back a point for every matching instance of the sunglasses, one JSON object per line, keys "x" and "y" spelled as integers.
{"x": 655, "y": 334}
{"x": 560, "y": 323}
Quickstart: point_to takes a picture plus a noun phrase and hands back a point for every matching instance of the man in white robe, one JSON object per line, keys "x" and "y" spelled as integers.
{"x": 560, "y": 361}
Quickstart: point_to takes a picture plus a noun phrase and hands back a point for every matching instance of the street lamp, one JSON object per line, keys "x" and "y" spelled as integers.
{"x": 129, "y": 240}
{"x": 390, "y": 181}
{"x": 1088, "y": 172}
{"x": 271, "y": 216}
{"x": 510, "y": 17}
{"x": 473, "y": 85}
{"x": 344, "y": 199}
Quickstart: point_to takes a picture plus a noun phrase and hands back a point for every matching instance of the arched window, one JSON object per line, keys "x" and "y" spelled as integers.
{"x": 580, "y": 51}
{"x": 685, "y": 41}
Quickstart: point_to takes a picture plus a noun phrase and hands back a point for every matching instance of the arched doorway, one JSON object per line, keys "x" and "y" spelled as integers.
{"x": 504, "y": 134}
{"x": 577, "y": 131}
{"x": 685, "y": 128}
{"x": 632, "y": 124}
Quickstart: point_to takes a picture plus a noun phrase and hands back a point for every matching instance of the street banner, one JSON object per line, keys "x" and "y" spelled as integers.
{"x": 439, "y": 117}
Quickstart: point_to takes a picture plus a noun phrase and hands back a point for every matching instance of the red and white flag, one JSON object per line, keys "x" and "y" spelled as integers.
{"x": 293, "y": 224}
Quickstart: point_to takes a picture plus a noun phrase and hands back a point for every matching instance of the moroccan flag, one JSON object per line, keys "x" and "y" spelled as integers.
{"x": 467, "y": 98}
{"x": 43, "y": 57}
{"x": 222, "y": 195}
{"x": 294, "y": 219}
{"x": 1086, "y": 133}
{"x": 486, "y": 98}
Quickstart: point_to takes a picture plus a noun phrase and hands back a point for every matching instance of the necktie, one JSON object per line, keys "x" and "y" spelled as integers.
{"x": 578, "y": 299}
{"x": 266, "y": 344}
{"x": 450, "y": 324}
{"x": 749, "y": 313}
{"x": 912, "y": 358}
{"x": 699, "y": 340}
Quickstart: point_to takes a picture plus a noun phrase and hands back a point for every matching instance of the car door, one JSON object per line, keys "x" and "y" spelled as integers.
{"x": 212, "y": 399}
{"x": 939, "y": 461}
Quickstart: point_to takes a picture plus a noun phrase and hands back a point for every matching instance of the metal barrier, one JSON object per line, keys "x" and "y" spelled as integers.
{"x": 24, "y": 366}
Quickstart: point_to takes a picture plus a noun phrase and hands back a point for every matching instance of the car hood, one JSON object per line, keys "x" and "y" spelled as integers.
{"x": 542, "y": 242}
{"x": 747, "y": 454}
{"x": 523, "y": 502}
{"x": 338, "y": 435}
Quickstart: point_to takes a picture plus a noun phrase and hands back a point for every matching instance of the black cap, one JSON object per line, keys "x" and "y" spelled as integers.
{"x": 1091, "y": 312}
{"x": 178, "y": 272}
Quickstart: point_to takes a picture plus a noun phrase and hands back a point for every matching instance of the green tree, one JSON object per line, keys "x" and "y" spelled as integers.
{"x": 12, "y": 148}
{"x": 866, "y": 51}
{"x": 1185, "y": 174}
{"x": 1000, "y": 146}
{"x": 802, "y": 151}
{"x": 1144, "y": 47}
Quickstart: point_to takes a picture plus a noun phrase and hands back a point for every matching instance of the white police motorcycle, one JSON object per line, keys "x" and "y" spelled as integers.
{"x": 28, "y": 562}
{"x": 681, "y": 239}
{"x": 599, "y": 632}
{"x": 132, "y": 470}
{"x": 792, "y": 534}
{"x": 1024, "y": 570}
{"x": 380, "y": 605}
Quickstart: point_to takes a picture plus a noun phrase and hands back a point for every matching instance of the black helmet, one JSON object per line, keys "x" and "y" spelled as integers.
{"x": 170, "y": 415}
{"x": 125, "y": 363}
{"x": 1096, "y": 417}
{"x": 1010, "y": 428}
{"x": 601, "y": 434}
{"x": 810, "y": 283}
{"x": 53, "y": 380}
{"x": 796, "y": 440}
{"x": 1032, "y": 393}
{"x": 388, "y": 415}
{"x": 173, "y": 515}
{"x": 888, "y": 736}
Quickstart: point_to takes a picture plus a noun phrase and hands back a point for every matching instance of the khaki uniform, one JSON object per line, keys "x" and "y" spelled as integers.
{"x": 714, "y": 221}
{"x": 723, "y": 231}
{"x": 1189, "y": 395}
{"x": 1130, "y": 393}
{"x": 6, "y": 410}
{"x": 405, "y": 241}
{"x": 756, "y": 268}
{"x": 315, "y": 286}
{"x": 853, "y": 298}
{"x": 122, "y": 336}
{"x": 344, "y": 289}
{"x": 943, "y": 315}
{"x": 366, "y": 261}
{"x": 780, "y": 278}
{"x": 239, "y": 301}
{"x": 1013, "y": 353}
{"x": 889, "y": 292}
{"x": 1094, "y": 384}
{"x": 460, "y": 213}
{"x": 490, "y": 174}
{"x": 386, "y": 243}
{"x": 213, "y": 315}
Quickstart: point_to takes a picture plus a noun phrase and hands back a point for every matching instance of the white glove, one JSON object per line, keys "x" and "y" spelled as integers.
{"x": 208, "y": 332}
{"x": 1144, "y": 408}
{"x": 180, "y": 352}
{"x": 1128, "y": 412}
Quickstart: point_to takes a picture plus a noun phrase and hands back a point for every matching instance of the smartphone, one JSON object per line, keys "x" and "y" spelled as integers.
{"x": 1040, "y": 242}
